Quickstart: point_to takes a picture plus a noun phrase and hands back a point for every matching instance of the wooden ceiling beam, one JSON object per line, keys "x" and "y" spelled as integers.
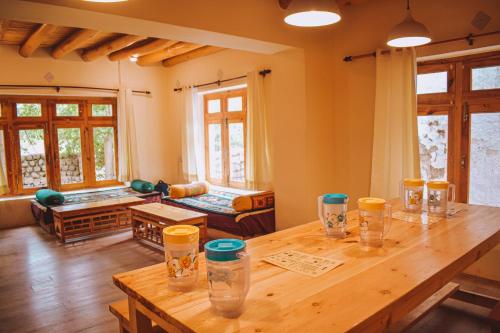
{"x": 36, "y": 39}
{"x": 169, "y": 52}
{"x": 4, "y": 25}
{"x": 153, "y": 46}
{"x": 198, "y": 53}
{"x": 73, "y": 42}
{"x": 110, "y": 46}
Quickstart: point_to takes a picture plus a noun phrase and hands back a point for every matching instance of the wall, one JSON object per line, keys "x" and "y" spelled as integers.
{"x": 285, "y": 93}
{"x": 150, "y": 115}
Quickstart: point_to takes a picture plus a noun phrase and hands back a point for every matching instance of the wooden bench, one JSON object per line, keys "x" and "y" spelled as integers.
{"x": 120, "y": 311}
{"x": 420, "y": 311}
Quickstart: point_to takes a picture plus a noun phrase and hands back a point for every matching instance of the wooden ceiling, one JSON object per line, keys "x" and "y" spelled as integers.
{"x": 92, "y": 45}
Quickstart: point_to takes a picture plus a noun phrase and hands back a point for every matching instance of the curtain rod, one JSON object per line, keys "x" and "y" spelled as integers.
{"x": 469, "y": 38}
{"x": 58, "y": 88}
{"x": 263, "y": 72}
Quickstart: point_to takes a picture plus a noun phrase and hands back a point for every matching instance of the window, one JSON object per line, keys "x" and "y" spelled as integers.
{"x": 225, "y": 126}
{"x": 459, "y": 127}
{"x": 61, "y": 143}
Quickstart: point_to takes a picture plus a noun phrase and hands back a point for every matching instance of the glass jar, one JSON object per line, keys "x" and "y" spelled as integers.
{"x": 181, "y": 255}
{"x": 373, "y": 224}
{"x": 412, "y": 194}
{"x": 228, "y": 275}
{"x": 438, "y": 192}
{"x": 332, "y": 209}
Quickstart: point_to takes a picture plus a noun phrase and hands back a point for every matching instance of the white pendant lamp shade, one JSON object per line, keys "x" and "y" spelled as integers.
{"x": 409, "y": 32}
{"x": 312, "y": 13}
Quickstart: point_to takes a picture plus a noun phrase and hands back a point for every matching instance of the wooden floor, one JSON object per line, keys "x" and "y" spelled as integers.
{"x": 49, "y": 287}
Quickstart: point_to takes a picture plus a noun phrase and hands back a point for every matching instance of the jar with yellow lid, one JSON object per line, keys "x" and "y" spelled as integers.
{"x": 412, "y": 194}
{"x": 181, "y": 255}
{"x": 374, "y": 221}
{"x": 438, "y": 193}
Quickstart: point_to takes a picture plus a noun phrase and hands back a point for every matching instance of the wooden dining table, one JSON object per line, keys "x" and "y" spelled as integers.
{"x": 373, "y": 288}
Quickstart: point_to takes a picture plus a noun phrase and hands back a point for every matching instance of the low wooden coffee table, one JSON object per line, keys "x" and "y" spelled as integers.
{"x": 149, "y": 220}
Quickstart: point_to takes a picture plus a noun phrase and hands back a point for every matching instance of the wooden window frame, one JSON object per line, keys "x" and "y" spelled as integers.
{"x": 462, "y": 102}
{"x": 224, "y": 118}
{"x": 50, "y": 122}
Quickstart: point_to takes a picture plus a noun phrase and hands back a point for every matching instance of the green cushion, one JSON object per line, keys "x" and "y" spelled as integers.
{"x": 49, "y": 197}
{"x": 142, "y": 186}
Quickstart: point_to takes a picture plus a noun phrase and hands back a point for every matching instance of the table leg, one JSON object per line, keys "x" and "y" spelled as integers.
{"x": 139, "y": 323}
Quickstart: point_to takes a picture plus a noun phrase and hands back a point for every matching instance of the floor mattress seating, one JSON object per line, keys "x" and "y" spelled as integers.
{"x": 223, "y": 220}
{"x": 89, "y": 212}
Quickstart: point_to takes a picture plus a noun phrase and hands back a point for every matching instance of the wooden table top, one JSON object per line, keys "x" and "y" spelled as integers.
{"x": 371, "y": 290}
{"x": 167, "y": 212}
{"x": 98, "y": 204}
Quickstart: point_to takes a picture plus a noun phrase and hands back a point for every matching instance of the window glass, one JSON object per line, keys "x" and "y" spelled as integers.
{"x": 213, "y": 105}
{"x": 215, "y": 150}
{"x": 102, "y": 110}
{"x": 433, "y": 146}
{"x": 484, "y": 165}
{"x": 235, "y": 104}
{"x": 104, "y": 153}
{"x": 431, "y": 83}
{"x": 70, "y": 155}
{"x": 33, "y": 159}
{"x": 28, "y": 110}
{"x": 486, "y": 78}
{"x": 67, "y": 110}
{"x": 236, "y": 152}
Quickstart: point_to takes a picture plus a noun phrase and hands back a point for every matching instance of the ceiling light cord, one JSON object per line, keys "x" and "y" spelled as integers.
{"x": 408, "y": 5}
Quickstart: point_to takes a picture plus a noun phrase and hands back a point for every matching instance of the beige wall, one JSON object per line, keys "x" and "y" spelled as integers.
{"x": 286, "y": 102}
{"x": 150, "y": 115}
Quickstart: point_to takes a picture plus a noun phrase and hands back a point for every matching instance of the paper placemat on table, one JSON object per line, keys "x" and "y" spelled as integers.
{"x": 303, "y": 263}
{"x": 424, "y": 218}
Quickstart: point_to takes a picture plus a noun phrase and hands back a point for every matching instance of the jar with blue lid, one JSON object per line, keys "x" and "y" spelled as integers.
{"x": 332, "y": 209}
{"x": 228, "y": 275}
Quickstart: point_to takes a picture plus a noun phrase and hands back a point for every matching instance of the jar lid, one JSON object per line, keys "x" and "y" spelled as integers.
{"x": 224, "y": 249}
{"x": 371, "y": 204}
{"x": 335, "y": 198}
{"x": 413, "y": 182}
{"x": 181, "y": 234}
{"x": 438, "y": 184}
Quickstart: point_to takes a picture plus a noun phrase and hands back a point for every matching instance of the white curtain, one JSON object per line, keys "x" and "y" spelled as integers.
{"x": 127, "y": 144}
{"x": 4, "y": 186}
{"x": 258, "y": 154}
{"x": 193, "y": 153}
{"x": 395, "y": 139}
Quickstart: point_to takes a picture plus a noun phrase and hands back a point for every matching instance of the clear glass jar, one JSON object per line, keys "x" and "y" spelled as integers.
{"x": 374, "y": 221}
{"x": 181, "y": 255}
{"x": 412, "y": 194}
{"x": 438, "y": 192}
{"x": 228, "y": 275}
{"x": 332, "y": 209}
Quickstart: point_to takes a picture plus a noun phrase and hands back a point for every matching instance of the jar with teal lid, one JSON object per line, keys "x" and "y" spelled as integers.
{"x": 228, "y": 275}
{"x": 332, "y": 210}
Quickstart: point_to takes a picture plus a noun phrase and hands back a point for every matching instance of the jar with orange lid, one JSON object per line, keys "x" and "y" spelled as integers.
{"x": 374, "y": 221}
{"x": 412, "y": 193}
{"x": 438, "y": 193}
{"x": 181, "y": 255}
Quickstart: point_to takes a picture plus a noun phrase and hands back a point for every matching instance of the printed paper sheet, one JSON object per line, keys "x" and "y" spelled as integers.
{"x": 303, "y": 263}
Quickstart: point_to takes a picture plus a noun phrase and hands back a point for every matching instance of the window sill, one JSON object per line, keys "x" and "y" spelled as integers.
{"x": 32, "y": 196}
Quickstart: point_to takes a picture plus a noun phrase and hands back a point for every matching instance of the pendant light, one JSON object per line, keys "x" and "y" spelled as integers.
{"x": 311, "y": 13}
{"x": 409, "y": 32}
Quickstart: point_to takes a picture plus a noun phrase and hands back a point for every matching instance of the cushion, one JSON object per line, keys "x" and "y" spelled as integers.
{"x": 49, "y": 197}
{"x": 255, "y": 201}
{"x": 142, "y": 186}
{"x": 188, "y": 190}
